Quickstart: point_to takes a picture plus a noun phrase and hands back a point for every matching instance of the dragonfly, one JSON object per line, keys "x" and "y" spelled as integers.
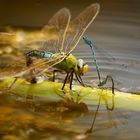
{"x": 63, "y": 35}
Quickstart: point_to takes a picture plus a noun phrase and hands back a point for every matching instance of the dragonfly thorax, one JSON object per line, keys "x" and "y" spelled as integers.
{"x": 71, "y": 63}
{"x": 68, "y": 63}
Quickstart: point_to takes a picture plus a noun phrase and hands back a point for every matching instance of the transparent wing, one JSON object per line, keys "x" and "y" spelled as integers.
{"x": 11, "y": 66}
{"x": 17, "y": 66}
{"x": 20, "y": 41}
{"x": 79, "y": 25}
{"x": 47, "y": 65}
{"x": 67, "y": 35}
{"x": 55, "y": 31}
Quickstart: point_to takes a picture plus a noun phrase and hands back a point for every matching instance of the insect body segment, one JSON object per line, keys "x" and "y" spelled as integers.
{"x": 36, "y": 54}
{"x": 90, "y": 44}
{"x": 101, "y": 82}
{"x": 72, "y": 66}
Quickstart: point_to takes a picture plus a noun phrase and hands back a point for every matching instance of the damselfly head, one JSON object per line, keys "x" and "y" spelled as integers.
{"x": 82, "y": 67}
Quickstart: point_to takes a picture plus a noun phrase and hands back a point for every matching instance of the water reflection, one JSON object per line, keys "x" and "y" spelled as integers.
{"x": 45, "y": 120}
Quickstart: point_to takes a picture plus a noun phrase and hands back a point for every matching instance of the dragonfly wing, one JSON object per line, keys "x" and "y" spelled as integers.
{"x": 61, "y": 32}
{"x": 15, "y": 68}
{"x": 45, "y": 66}
{"x": 79, "y": 25}
{"x": 55, "y": 31}
{"x": 12, "y": 39}
{"x": 58, "y": 24}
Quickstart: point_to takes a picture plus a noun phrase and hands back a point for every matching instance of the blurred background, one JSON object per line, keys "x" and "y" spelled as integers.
{"x": 115, "y": 33}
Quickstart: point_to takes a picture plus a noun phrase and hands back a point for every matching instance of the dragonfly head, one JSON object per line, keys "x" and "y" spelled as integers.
{"x": 82, "y": 67}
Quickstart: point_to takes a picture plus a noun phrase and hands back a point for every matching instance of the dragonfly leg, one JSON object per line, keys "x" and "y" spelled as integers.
{"x": 65, "y": 80}
{"x": 79, "y": 79}
{"x": 71, "y": 79}
{"x": 9, "y": 87}
{"x": 54, "y": 75}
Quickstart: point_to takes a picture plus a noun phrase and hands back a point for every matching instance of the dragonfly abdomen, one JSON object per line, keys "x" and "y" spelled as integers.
{"x": 38, "y": 54}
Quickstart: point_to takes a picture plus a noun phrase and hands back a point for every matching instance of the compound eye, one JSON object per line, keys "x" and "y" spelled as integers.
{"x": 80, "y": 63}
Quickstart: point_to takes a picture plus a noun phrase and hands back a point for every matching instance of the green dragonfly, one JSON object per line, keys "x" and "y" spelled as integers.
{"x": 63, "y": 35}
